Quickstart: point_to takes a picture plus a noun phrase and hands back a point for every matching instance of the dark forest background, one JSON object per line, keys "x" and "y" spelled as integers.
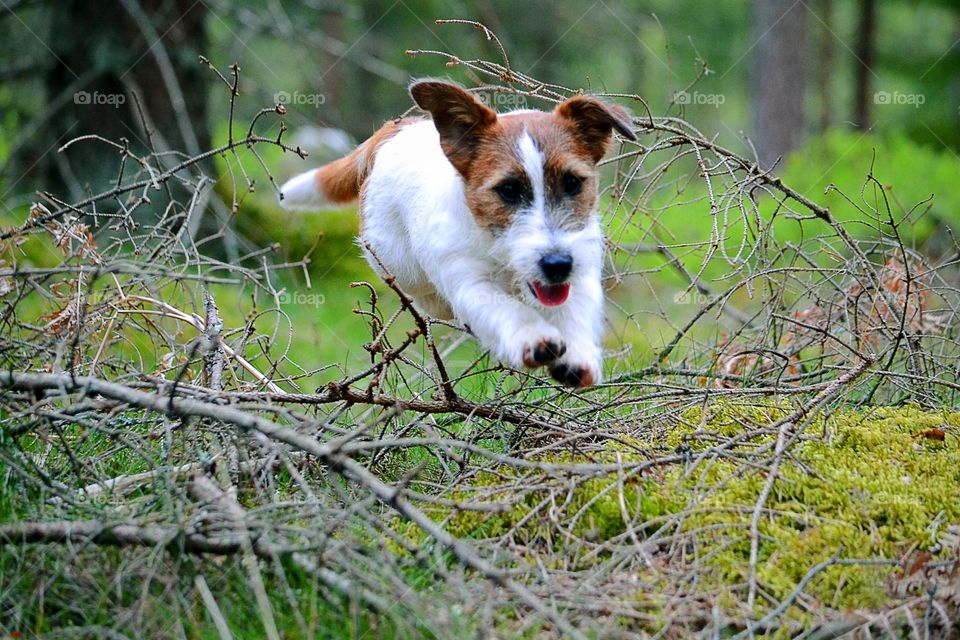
{"x": 774, "y": 74}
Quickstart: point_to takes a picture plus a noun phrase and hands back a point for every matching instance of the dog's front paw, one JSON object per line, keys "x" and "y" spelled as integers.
{"x": 534, "y": 345}
{"x": 542, "y": 351}
{"x": 578, "y": 371}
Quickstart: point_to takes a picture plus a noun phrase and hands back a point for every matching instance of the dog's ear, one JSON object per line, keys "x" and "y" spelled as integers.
{"x": 593, "y": 122}
{"x": 460, "y": 118}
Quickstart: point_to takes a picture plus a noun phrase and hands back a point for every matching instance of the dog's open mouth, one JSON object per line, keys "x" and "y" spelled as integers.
{"x": 550, "y": 295}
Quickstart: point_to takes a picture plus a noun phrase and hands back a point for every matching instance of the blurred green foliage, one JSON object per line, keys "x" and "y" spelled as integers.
{"x": 919, "y": 179}
{"x": 652, "y": 48}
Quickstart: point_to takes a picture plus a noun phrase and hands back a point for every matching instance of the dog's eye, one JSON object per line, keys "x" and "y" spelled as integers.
{"x": 510, "y": 191}
{"x": 572, "y": 184}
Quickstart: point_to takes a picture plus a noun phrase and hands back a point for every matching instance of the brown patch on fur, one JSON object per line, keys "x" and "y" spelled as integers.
{"x": 341, "y": 181}
{"x": 460, "y": 118}
{"x": 496, "y": 159}
{"x": 483, "y": 147}
{"x": 557, "y": 164}
{"x": 491, "y": 167}
{"x": 593, "y": 123}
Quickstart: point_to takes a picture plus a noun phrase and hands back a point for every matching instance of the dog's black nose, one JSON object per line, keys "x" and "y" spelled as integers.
{"x": 556, "y": 267}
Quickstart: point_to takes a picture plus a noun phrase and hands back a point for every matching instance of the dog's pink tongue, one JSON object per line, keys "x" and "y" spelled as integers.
{"x": 551, "y": 295}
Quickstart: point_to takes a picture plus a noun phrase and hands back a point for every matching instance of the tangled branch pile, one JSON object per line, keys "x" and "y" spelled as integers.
{"x": 741, "y": 472}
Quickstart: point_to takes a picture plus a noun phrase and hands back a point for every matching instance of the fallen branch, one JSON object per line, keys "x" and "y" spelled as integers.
{"x": 327, "y": 454}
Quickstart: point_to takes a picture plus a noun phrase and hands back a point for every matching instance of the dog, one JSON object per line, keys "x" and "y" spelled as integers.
{"x": 490, "y": 219}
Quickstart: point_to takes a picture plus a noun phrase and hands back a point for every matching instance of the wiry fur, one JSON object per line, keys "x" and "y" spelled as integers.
{"x": 432, "y": 215}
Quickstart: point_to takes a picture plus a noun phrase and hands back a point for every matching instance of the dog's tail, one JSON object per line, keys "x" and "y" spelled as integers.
{"x": 339, "y": 182}
{"x": 333, "y": 184}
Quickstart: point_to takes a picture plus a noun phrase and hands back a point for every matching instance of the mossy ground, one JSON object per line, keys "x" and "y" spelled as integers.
{"x": 874, "y": 484}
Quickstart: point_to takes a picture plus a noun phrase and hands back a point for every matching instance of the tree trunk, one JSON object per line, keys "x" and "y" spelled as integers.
{"x": 864, "y": 63}
{"x": 117, "y": 48}
{"x": 778, "y": 80}
{"x": 826, "y": 53}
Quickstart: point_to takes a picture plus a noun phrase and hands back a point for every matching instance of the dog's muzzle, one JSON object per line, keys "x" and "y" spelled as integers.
{"x": 556, "y": 267}
{"x": 554, "y": 289}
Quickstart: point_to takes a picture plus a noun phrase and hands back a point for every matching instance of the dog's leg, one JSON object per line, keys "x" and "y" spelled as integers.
{"x": 515, "y": 333}
{"x": 580, "y": 322}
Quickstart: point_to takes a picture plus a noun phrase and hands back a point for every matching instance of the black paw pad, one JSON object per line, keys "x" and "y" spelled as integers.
{"x": 572, "y": 376}
{"x": 544, "y": 352}
{"x": 548, "y": 351}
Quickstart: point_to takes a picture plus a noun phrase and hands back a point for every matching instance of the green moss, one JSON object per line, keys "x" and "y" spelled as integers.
{"x": 864, "y": 485}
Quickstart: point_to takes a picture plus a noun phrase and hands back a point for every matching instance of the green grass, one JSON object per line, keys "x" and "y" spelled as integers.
{"x": 107, "y": 587}
{"x": 145, "y": 592}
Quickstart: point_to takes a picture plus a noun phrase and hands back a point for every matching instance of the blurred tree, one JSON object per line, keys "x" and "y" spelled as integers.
{"x": 865, "y": 60}
{"x": 107, "y": 52}
{"x": 824, "y": 72}
{"x": 333, "y": 23}
{"x": 778, "y": 82}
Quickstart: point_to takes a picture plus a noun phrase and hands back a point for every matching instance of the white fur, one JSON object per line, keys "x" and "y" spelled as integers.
{"x": 532, "y": 159}
{"x": 418, "y": 223}
{"x": 300, "y": 193}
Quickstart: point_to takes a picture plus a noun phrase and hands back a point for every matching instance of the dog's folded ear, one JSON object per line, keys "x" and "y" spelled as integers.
{"x": 461, "y": 119}
{"x": 594, "y": 121}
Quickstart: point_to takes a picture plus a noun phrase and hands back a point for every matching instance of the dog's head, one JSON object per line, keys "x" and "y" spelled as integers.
{"x": 530, "y": 180}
